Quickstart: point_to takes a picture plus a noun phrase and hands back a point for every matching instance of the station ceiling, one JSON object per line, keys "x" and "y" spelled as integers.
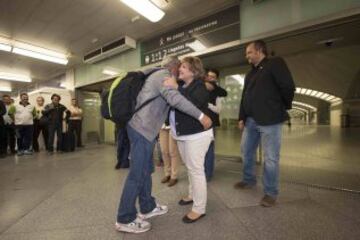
{"x": 78, "y": 26}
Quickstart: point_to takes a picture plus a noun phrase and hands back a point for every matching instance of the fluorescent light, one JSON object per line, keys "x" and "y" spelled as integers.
{"x": 308, "y": 91}
{"x": 41, "y": 56}
{"x": 5, "y": 44}
{"x": 302, "y": 91}
{"x": 324, "y": 96}
{"x": 5, "y": 47}
{"x": 5, "y": 89}
{"x": 110, "y": 72}
{"x": 319, "y": 94}
{"x": 331, "y": 97}
{"x": 146, "y": 8}
{"x": 14, "y": 77}
{"x": 314, "y": 92}
{"x": 305, "y": 105}
{"x": 196, "y": 45}
{"x": 336, "y": 100}
{"x": 298, "y": 90}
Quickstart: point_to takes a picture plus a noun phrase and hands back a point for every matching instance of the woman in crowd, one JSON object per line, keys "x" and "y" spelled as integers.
{"x": 192, "y": 139}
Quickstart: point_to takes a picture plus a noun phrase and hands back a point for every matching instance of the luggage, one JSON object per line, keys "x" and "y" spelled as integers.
{"x": 67, "y": 140}
{"x": 118, "y": 104}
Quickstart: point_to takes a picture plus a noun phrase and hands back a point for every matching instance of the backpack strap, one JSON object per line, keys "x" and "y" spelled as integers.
{"x": 151, "y": 99}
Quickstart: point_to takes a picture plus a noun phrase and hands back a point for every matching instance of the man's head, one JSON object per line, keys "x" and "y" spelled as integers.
{"x": 74, "y": 102}
{"x": 256, "y": 51}
{"x": 24, "y": 98}
{"x": 55, "y": 99}
{"x": 212, "y": 75}
{"x": 6, "y": 99}
{"x": 40, "y": 101}
{"x": 172, "y": 63}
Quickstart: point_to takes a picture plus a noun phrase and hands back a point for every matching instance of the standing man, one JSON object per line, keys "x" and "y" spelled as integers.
{"x": 216, "y": 93}
{"x": 9, "y": 126}
{"x": 2, "y": 130}
{"x": 268, "y": 93}
{"x": 54, "y": 112}
{"x": 24, "y": 114}
{"x": 142, "y": 129}
{"x": 75, "y": 122}
{"x": 40, "y": 125}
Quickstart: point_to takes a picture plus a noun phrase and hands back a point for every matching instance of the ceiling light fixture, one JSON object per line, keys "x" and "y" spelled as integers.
{"x": 5, "y": 44}
{"x": 39, "y": 53}
{"x": 14, "y": 77}
{"x": 304, "y": 105}
{"x": 146, "y": 8}
{"x": 110, "y": 71}
{"x": 5, "y": 47}
{"x": 32, "y": 51}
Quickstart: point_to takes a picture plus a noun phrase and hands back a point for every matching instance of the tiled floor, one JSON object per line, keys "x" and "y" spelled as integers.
{"x": 75, "y": 196}
{"x": 321, "y": 155}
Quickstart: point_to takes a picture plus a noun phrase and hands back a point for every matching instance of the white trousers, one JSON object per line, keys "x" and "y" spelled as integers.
{"x": 193, "y": 154}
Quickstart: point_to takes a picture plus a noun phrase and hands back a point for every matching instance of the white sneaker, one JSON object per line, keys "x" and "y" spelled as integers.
{"x": 136, "y": 226}
{"x": 157, "y": 211}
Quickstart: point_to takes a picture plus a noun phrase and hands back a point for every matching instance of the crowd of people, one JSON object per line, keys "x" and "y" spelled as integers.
{"x": 184, "y": 117}
{"x": 21, "y": 124}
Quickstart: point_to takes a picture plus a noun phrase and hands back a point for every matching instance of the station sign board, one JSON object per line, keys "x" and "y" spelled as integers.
{"x": 219, "y": 28}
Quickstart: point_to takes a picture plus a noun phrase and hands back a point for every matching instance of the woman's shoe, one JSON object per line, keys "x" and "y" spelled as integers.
{"x": 165, "y": 179}
{"x": 183, "y": 202}
{"x": 172, "y": 182}
{"x": 186, "y": 219}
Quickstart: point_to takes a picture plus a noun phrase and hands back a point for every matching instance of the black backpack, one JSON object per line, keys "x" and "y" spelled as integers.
{"x": 118, "y": 103}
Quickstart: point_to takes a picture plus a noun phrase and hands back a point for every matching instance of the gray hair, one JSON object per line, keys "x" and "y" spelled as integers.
{"x": 170, "y": 62}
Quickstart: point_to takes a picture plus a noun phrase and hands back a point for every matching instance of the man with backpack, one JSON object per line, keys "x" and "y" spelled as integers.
{"x": 142, "y": 129}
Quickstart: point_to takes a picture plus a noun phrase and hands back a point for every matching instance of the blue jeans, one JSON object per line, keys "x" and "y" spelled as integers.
{"x": 210, "y": 161}
{"x": 270, "y": 137}
{"x": 123, "y": 148}
{"x": 138, "y": 183}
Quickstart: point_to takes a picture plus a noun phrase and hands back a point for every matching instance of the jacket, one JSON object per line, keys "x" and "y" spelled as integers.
{"x": 196, "y": 93}
{"x": 268, "y": 92}
{"x": 55, "y": 114}
{"x": 149, "y": 119}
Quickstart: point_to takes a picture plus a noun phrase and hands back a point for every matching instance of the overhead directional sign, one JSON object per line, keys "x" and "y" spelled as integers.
{"x": 219, "y": 28}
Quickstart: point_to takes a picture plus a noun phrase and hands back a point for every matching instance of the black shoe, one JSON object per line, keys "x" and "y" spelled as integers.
{"x": 243, "y": 185}
{"x": 118, "y": 166}
{"x": 186, "y": 219}
{"x": 182, "y": 202}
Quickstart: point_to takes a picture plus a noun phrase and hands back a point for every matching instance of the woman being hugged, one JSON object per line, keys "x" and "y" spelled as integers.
{"x": 192, "y": 139}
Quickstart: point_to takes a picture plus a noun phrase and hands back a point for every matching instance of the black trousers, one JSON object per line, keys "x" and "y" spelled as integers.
{"x": 54, "y": 128}
{"x": 2, "y": 140}
{"x": 40, "y": 128}
{"x": 75, "y": 128}
{"x": 24, "y": 135}
{"x": 10, "y": 140}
